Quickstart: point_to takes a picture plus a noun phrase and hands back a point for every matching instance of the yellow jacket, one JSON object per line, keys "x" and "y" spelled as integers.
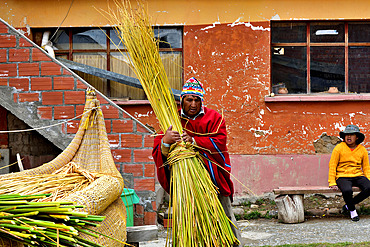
{"x": 347, "y": 163}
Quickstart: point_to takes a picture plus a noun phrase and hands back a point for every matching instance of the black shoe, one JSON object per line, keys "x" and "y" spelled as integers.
{"x": 356, "y": 218}
{"x": 345, "y": 211}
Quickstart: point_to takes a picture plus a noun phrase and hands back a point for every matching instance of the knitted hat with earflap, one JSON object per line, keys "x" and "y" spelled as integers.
{"x": 193, "y": 87}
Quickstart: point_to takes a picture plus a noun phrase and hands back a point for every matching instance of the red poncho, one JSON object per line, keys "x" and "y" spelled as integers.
{"x": 215, "y": 149}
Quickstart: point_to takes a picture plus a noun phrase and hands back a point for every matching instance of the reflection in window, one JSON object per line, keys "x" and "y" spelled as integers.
{"x": 359, "y": 67}
{"x": 327, "y": 68}
{"x": 289, "y": 69}
{"x": 332, "y": 62}
{"x": 89, "y": 39}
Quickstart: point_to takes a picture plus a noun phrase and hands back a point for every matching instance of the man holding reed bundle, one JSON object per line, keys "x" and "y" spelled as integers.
{"x": 206, "y": 130}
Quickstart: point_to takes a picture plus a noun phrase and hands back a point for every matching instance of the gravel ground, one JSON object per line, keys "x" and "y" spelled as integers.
{"x": 269, "y": 232}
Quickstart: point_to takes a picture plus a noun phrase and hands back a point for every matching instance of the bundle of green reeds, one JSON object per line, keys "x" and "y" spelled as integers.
{"x": 45, "y": 223}
{"x": 198, "y": 218}
{"x": 69, "y": 179}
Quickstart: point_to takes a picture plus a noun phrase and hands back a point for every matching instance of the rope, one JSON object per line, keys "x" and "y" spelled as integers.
{"x": 45, "y": 127}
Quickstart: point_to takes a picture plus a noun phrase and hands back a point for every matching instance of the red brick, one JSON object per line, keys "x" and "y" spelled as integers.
{"x": 143, "y": 155}
{"x": 29, "y": 97}
{"x": 28, "y": 69}
{"x": 81, "y": 85}
{"x": 138, "y": 221}
{"x": 3, "y": 56}
{"x": 66, "y": 72}
{"x": 150, "y": 218}
{"x": 139, "y": 209}
{"x": 144, "y": 184}
{"x": 64, "y": 83}
{"x": 108, "y": 126}
{"x": 148, "y": 141}
{"x": 64, "y": 112}
{"x": 38, "y": 55}
{"x": 7, "y": 41}
{"x": 122, "y": 126}
{"x": 121, "y": 155}
{"x": 52, "y": 98}
{"x": 110, "y": 111}
{"x": 19, "y": 83}
{"x": 8, "y": 70}
{"x": 74, "y": 97}
{"x": 3, "y": 28}
{"x": 141, "y": 129}
{"x": 79, "y": 109}
{"x": 154, "y": 205}
{"x": 24, "y": 43}
{"x": 72, "y": 126}
{"x": 113, "y": 141}
{"x": 131, "y": 140}
{"x": 19, "y": 55}
{"x": 3, "y": 81}
{"x": 149, "y": 170}
{"x": 45, "y": 112}
{"x": 135, "y": 169}
{"x": 50, "y": 68}
{"x": 41, "y": 83}
{"x": 101, "y": 99}
{"x": 15, "y": 97}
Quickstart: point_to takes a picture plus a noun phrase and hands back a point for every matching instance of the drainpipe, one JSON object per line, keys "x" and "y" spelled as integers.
{"x": 46, "y": 44}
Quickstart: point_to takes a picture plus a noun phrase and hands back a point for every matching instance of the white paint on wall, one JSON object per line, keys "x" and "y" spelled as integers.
{"x": 248, "y": 24}
{"x": 212, "y": 26}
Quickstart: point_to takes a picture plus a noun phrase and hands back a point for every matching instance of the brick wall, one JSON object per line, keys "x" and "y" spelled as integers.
{"x": 58, "y": 94}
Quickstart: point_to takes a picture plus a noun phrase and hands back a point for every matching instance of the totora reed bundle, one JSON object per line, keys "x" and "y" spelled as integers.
{"x": 198, "y": 218}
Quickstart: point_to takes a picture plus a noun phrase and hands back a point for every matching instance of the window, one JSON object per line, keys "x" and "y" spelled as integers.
{"x": 314, "y": 57}
{"x": 100, "y": 48}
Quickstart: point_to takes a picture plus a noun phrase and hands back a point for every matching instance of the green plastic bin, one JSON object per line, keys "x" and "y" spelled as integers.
{"x": 129, "y": 198}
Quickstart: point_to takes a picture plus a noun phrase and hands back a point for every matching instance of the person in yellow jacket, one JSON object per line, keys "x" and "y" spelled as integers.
{"x": 349, "y": 166}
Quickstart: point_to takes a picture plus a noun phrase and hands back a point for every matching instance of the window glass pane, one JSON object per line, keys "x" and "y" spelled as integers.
{"x": 289, "y": 69}
{"x": 359, "y": 69}
{"x": 327, "y": 32}
{"x": 358, "y": 32}
{"x": 90, "y": 39}
{"x": 327, "y": 68}
{"x": 115, "y": 41}
{"x": 95, "y": 60}
{"x": 169, "y": 37}
{"x": 288, "y": 32}
{"x": 121, "y": 64}
{"x": 172, "y": 62}
{"x": 61, "y": 40}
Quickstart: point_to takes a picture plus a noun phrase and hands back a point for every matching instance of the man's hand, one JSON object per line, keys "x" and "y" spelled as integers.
{"x": 187, "y": 138}
{"x": 171, "y": 136}
{"x": 334, "y": 187}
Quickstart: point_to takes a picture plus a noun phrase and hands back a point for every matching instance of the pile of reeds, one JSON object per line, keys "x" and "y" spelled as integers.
{"x": 198, "y": 218}
{"x": 68, "y": 179}
{"x": 45, "y": 223}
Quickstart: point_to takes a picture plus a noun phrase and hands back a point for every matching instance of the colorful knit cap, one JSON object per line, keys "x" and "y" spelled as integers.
{"x": 193, "y": 87}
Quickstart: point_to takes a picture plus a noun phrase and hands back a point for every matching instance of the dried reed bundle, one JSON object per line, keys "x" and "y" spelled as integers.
{"x": 45, "y": 223}
{"x": 69, "y": 179}
{"x": 198, "y": 218}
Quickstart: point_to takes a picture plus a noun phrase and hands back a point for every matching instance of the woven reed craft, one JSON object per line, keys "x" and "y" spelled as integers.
{"x": 90, "y": 150}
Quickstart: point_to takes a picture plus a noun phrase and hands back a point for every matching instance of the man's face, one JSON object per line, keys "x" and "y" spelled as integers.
{"x": 191, "y": 105}
{"x": 350, "y": 139}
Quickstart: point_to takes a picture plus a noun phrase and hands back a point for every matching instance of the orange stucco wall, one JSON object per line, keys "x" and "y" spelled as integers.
{"x": 40, "y": 13}
{"x": 226, "y": 46}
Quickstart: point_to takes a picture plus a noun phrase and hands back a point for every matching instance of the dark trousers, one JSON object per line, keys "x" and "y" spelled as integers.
{"x": 345, "y": 185}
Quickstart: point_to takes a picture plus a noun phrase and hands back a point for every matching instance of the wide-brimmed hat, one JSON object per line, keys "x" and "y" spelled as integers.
{"x": 352, "y": 129}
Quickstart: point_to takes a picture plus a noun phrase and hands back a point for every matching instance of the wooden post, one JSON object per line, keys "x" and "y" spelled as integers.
{"x": 290, "y": 208}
